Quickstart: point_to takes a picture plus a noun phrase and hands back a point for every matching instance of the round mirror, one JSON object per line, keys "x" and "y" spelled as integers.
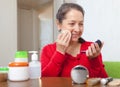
{"x": 79, "y": 74}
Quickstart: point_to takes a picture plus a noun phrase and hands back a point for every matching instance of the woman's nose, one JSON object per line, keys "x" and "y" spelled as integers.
{"x": 77, "y": 28}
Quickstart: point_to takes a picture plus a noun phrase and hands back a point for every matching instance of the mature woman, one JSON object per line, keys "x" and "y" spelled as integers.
{"x": 66, "y": 52}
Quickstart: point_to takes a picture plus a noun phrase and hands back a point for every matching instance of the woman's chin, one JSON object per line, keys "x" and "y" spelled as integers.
{"x": 74, "y": 40}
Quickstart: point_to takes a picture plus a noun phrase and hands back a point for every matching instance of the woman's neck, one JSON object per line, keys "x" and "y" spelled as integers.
{"x": 74, "y": 44}
{"x": 74, "y": 48}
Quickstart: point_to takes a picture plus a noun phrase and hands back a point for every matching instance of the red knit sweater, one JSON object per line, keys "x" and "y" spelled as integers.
{"x": 56, "y": 64}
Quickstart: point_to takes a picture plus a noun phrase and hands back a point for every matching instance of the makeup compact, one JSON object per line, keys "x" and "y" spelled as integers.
{"x": 79, "y": 74}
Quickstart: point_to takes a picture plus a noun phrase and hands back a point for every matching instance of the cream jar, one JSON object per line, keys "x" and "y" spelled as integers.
{"x": 3, "y": 74}
{"x": 21, "y": 56}
{"x": 18, "y": 71}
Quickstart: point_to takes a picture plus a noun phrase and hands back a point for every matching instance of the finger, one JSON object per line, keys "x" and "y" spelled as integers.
{"x": 68, "y": 37}
{"x": 63, "y": 35}
{"x": 89, "y": 51}
{"x": 58, "y": 38}
{"x": 64, "y": 41}
{"x": 97, "y": 47}
{"x": 93, "y": 49}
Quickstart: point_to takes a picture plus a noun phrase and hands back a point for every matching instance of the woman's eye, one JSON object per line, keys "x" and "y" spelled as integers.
{"x": 71, "y": 24}
{"x": 81, "y": 24}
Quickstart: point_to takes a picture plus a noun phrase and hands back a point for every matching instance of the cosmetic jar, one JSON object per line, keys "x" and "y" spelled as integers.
{"x": 21, "y": 56}
{"x": 18, "y": 71}
{"x": 3, "y": 74}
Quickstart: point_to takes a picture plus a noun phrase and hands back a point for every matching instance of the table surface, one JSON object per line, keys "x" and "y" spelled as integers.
{"x": 44, "y": 82}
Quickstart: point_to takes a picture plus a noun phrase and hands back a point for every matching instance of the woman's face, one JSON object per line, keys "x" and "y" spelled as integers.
{"x": 74, "y": 23}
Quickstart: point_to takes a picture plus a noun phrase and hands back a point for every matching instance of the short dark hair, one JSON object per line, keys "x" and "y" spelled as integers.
{"x": 66, "y": 7}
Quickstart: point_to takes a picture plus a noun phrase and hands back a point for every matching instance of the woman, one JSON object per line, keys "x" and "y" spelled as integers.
{"x": 69, "y": 49}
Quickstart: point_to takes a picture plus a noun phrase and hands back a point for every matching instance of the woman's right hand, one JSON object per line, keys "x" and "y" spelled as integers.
{"x": 63, "y": 40}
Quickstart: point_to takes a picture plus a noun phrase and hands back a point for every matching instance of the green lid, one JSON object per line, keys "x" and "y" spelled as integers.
{"x": 4, "y": 68}
{"x": 21, "y": 54}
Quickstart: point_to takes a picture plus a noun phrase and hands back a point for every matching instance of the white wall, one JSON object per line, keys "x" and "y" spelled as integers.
{"x": 57, "y": 4}
{"x": 25, "y": 29}
{"x": 102, "y": 21}
{"x": 8, "y": 30}
{"x": 46, "y": 24}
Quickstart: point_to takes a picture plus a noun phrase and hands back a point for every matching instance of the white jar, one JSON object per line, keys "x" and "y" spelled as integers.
{"x": 18, "y": 71}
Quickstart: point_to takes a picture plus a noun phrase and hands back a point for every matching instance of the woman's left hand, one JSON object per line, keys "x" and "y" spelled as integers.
{"x": 93, "y": 50}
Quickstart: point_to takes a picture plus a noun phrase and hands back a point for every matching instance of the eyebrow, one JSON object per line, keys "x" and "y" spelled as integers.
{"x": 74, "y": 21}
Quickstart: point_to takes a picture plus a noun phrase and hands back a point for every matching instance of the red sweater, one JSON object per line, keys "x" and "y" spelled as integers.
{"x": 56, "y": 64}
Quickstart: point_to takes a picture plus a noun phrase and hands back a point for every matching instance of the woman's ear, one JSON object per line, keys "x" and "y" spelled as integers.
{"x": 58, "y": 25}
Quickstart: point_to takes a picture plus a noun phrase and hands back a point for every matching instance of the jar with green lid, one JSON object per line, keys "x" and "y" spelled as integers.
{"x": 21, "y": 56}
{"x": 3, "y": 74}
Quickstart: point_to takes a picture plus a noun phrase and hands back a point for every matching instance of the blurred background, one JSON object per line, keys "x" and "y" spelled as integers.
{"x": 30, "y": 24}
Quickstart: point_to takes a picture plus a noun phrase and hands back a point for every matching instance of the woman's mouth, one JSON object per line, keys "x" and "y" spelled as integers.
{"x": 75, "y": 35}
